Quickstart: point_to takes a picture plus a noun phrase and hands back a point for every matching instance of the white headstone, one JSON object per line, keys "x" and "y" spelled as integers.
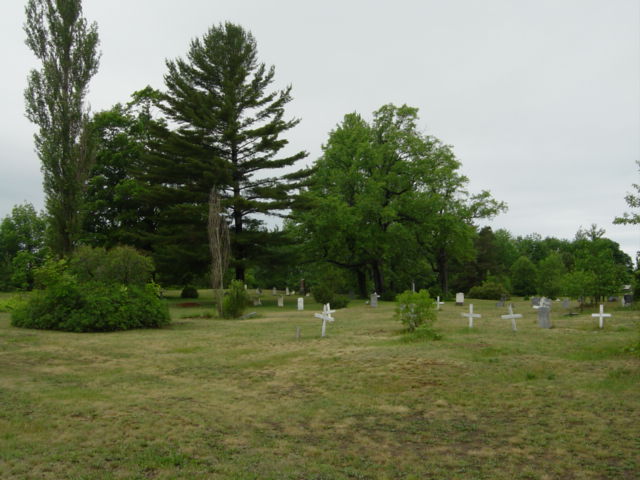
{"x": 245, "y": 286}
{"x": 512, "y": 316}
{"x": 601, "y": 315}
{"x": 374, "y": 299}
{"x": 459, "y": 298}
{"x": 257, "y": 301}
{"x": 307, "y": 294}
{"x": 281, "y": 301}
{"x": 438, "y": 303}
{"x": 413, "y": 287}
{"x": 300, "y": 303}
{"x": 274, "y": 291}
{"x": 471, "y": 315}
{"x": 544, "y": 321}
{"x": 325, "y": 316}
{"x": 286, "y": 291}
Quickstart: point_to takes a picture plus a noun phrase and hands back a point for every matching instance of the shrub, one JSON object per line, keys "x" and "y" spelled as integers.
{"x": 323, "y": 293}
{"x": 415, "y": 309}
{"x": 339, "y": 301}
{"x": 189, "y": 292}
{"x": 421, "y": 334}
{"x": 236, "y": 300}
{"x": 489, "y": 290}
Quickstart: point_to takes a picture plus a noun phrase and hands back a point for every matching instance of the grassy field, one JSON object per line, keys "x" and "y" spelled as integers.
{"x": 245, "y": 399}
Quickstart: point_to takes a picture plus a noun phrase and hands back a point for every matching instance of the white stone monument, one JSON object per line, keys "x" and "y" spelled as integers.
{"x": 281, "y": 301}
{"x": 286, "y": 291}
{"x": 471, "y": 315}
{"x": 512, "y": 316}
{"x": 601, "y": 315}
{"x": 325, "y": 316}
{"x": 300, "y": 303}
{"x": 374, "y": 299}
{"x": 274, "y": 291}
{"x": 460, "y": 299}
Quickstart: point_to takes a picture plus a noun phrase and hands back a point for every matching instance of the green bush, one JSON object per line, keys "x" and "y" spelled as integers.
{"x": 415, "y": 309}
{"x": 236, "y": 300}
{"x": 323, "y": 293}
{"x": 65, "y": 303}
{"x": 489, "y": 290}
{"x": 339, "y": 301}
{"x": 189, "y": 292}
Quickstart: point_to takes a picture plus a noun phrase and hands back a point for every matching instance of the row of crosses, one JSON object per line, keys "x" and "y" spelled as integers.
{"x": 512, "y": 316}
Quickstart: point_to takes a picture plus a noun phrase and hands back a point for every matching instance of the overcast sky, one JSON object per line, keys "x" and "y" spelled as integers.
{"x": 539, "y": 99}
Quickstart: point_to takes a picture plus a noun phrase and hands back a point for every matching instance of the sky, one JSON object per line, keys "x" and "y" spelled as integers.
{"x": 539, "y": 100}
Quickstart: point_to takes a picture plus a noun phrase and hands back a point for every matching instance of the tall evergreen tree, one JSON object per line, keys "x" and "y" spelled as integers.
{"x": 66, "y": 45}
{"x": 228, "y": 136}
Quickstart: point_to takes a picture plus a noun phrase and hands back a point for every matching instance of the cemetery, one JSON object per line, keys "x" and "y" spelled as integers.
{"x": 289, "y": 395}
{"x": 202, "y": 297}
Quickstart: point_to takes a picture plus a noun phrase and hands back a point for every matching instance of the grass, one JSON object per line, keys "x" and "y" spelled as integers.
{"x": 208, "y": 398}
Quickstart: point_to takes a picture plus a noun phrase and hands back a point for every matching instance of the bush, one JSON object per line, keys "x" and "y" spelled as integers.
{"x": 323, "y": 293}
{"x": 415, "y": 309}
{"x": 189, "y": 292}
{"x": 339, "y": 301}
{"x": 421, "y": 334}
{"x": 236, "y": 300}
{"x": 65, "y": 303}
{"x": 488, "y": 291}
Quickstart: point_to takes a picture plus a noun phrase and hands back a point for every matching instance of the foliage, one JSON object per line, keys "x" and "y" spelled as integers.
{"x": 489, "y": 290}
{"x": 415, "y": 309}
{"x": 523, "y": 276}
{"x": 22, "y": 247}
{"x": 236, "y": 300}
{"x": 421, "y": 334}
{"x": 550, "y": 273}
{"x": 189, "y": 292}
{"x": 123, "y": 265}
{"x": 66, "y": 46}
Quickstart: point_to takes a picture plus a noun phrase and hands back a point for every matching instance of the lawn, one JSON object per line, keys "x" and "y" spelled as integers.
{"x": 246, "y": 399}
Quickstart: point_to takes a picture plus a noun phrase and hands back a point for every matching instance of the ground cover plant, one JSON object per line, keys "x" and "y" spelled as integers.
{"x": 247, "y": 399}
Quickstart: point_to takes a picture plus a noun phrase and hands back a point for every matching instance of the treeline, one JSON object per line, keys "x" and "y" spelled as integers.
{"x": 385, "y": 207}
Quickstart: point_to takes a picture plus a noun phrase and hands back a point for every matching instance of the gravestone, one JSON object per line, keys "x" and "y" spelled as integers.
{"x": 281, "y": 301}
{"x": 274, "y": 291}
{"x": 307, "y": 294}
{"x": 500, "y": 304}
{"x": 535, "y": 302}
{"x": 374, "y": 299}
{"x": 460, "y": 299}
{"x": 286, "y": 291}
{"x": 300, "y": 303}
{"x": 566, "y": 304}
{"x": 544, "y": 320}
{"x": 325, "y": 316}
{"x": 438, "y": 303}
{"x": 245, "y": 286}
{"x": 601, "y": 315}
{"x": 512, "y": 316}
{"x": 471, "y": 315}
{"x": 413, "y": 287}
{"x": 258, "y": 291}
{"x": 257, "y": 301}
{"x": 627, "y": 298}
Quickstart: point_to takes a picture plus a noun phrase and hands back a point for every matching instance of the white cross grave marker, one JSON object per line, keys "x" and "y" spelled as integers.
{"x": 438, "y": 303}
{"x": 471, "y": 315}
{"x": 325, "y": 316}
{"x": 601, "y": 315}
{"x": 374, "y": 299}
{"x": 512, "y": 316}
{"x": 301, "y": 303}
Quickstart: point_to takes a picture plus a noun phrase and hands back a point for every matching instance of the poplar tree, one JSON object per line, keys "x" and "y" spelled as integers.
{"x": 227, "y": 136}
{"x": 66, "y": 46}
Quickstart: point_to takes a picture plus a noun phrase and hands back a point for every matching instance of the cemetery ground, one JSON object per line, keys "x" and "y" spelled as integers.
{"x": 246, "y": 399}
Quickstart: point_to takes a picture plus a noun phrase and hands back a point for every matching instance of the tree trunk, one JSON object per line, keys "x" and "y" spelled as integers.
{"x": 377, "y": 277}
{"x": 443, "y": 271}
{"x": 362, "y": 283}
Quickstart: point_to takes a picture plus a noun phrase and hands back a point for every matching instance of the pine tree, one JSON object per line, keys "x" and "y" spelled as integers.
{"x": 227, "y": 136}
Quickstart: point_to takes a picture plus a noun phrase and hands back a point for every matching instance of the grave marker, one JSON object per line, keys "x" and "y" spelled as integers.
{"x": 274, "y": 291}
{"x": 286, "y": 291}
{"x": 601, "y": 315}
{"x": 460, "y": 299}
{"x": 374, "y": 299}
{"x": 471, "y": 315}
{"x": 543, "y": 317}
{"x": 325, "y": 316}
{"x": 281, "y": 301}
{"x": 438, "y": 303}
{"x": 512, "y": 316}
{"x": 300, "y": 303}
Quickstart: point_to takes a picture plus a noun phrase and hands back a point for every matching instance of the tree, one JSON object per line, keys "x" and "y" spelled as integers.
{"x": 523, "y": 276}
{"x": 228, "y": 135}
{"x": 60, "y": 38}
{"x": 633, "y": 201}
{"x": 22, "y": 247}
{"x": 550, "y": 272}
{"x": 219, "y": 246}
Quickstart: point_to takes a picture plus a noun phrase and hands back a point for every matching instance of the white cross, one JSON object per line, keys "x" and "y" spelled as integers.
{"x": 471, "y": 315}
{"x": 512, "y": 316}
{"x": 438, "y": 303}
{"x": 601, "y": 315}
{"x": 325, "y": 316}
